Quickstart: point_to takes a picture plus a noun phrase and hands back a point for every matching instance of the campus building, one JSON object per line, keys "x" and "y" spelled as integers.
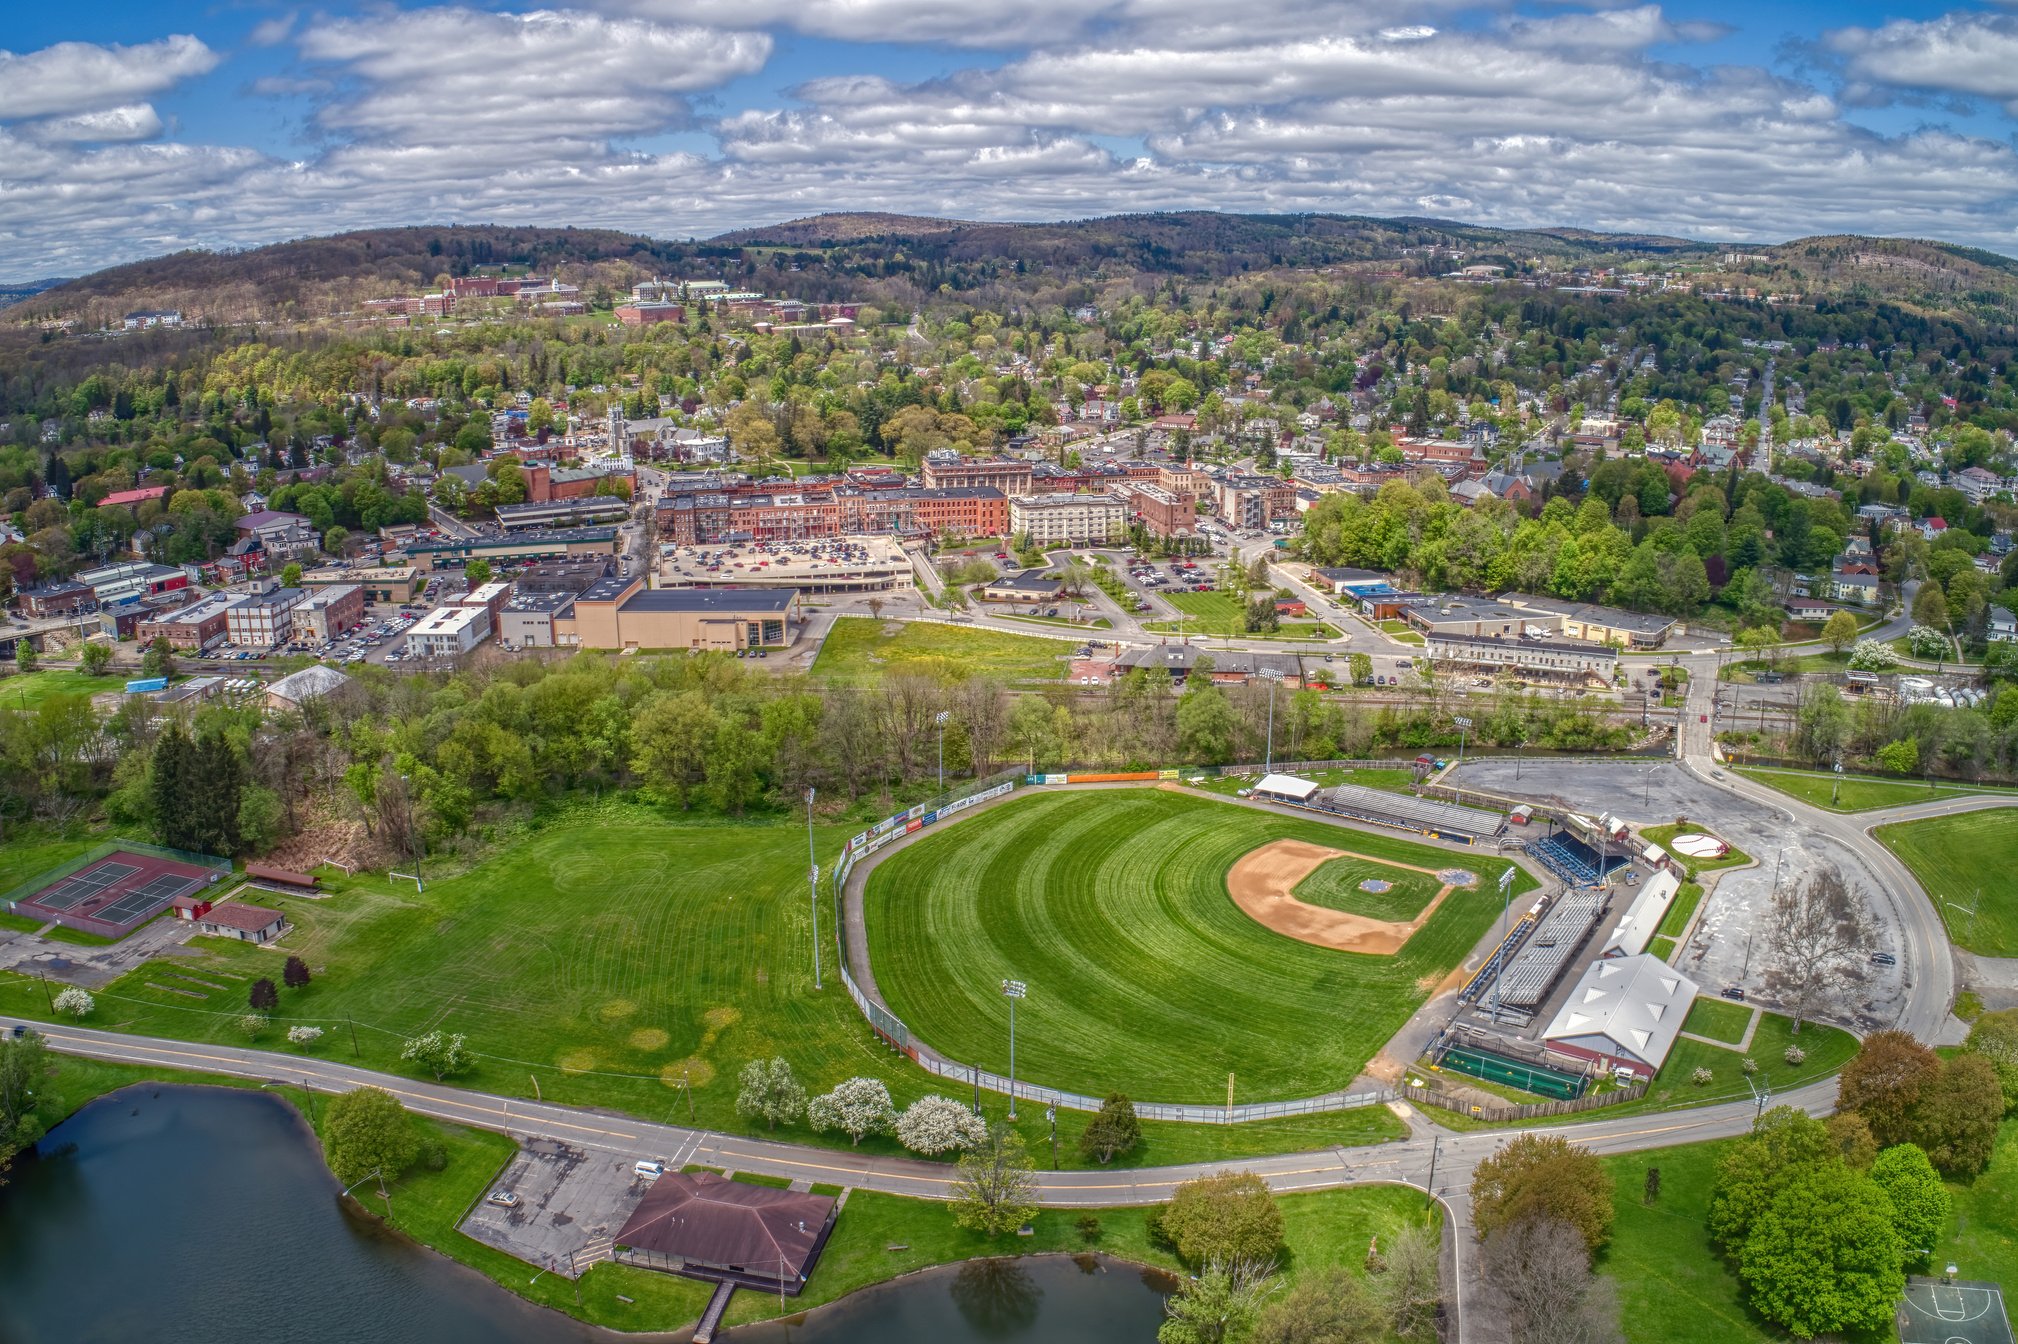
{"x": 1624, "y": 1013}
{"x": 329, "y": 611}
{"x": 622, "y": 613}
{"x": 1161, "y": 512}
{"x": 193, "y": 628}
{"x": 448, "y": 632}
{"x": 1068, "y": 520}
{"x": 263, "y": 620}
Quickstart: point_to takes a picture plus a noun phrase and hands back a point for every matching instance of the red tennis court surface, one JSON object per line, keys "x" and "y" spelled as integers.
{"x": 115, "y": 893}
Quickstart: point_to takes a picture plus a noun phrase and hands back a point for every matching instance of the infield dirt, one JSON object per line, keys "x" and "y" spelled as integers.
{"x": 1263, "y": 881}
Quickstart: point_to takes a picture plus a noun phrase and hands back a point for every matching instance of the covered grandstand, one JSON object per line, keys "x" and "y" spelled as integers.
{"x": 1404, "y": 812}
{"x": 1575, "y": 861}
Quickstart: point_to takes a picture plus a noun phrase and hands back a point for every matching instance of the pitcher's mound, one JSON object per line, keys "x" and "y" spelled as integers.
{"x": 1262, "y": 883}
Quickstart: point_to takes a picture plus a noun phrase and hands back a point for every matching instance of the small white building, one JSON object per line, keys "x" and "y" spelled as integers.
{"x": 1286, "y": 788}
{"x": 1642, "y": 919}
{"x": 448, "y": 632}
{"x": 1624, "y": 1013}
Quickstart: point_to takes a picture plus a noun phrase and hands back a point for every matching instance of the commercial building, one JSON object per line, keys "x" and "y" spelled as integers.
{"x": 329, "y": 611}
{"x": 562, "y": 576}
{"x": 518, "y": 549}
{"x": 113, "y": 585}
{"x": 700, "y": 518}
{"x": 563, "y": 513}
{"x": 1599, "y": 625}
{"x": 60, "y": 598}
{"x": 1032, "y": 585}
{"x": 1161, "y": 512}
{"x": 527, "y": 621}
{"x": 1068, "y": 520}
{"x": 1475, "y": 616}
{"x": 622, "y": 613}
{"x": 448, "y": 632}
{"x": 390, "y": 584}
{"x": 491, "y": 597}
{"x": 263, "y": 620}
{"x": 866, "y": 564}
{"x": 1623, "y": 1013}
{"x": 546, "y": 484}
{"x": 949, "y": 470}
{"x": 1554, "y": 658}
{"x": 1249, "y": 503}
{"x": 193, "y": 628}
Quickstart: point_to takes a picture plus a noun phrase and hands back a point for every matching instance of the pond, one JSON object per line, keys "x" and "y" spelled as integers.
{"x": 206, "y": 1215}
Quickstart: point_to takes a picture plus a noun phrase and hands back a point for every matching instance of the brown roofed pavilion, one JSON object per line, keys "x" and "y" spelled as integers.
{"x": 706, "y": 1226}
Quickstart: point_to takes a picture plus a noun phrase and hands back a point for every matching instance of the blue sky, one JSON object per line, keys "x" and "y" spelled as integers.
{"x": 128, "y": 129}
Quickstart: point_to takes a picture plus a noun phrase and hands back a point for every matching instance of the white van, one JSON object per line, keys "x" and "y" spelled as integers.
{"x": 649, "y": 1169}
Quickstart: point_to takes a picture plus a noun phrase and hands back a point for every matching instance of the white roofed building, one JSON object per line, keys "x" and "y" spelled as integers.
{"x": 1625, "y": 1012}
{"x": 1642, "y": 919}
{"x": 1286, "y": 787}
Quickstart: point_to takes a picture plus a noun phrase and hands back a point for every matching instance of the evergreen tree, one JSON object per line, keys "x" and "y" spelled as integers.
{"x": 171, "y": 780}
{"x": 219, "y": 784}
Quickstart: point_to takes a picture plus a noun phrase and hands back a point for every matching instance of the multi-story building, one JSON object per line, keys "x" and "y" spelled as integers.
{"x": 491, "y": 596}
{"x": 1556, "y": 659}
{"x": 132, "y": 582}
{"x": 193, "y": 628}
{"x": 1161, "y": 513}
{"x": 644, "y": 313}
{"x": 1070, "y": 520}
{"x": 623, "y": 614}
{"x": 263, "y": 620}
{"x": 527, "y": 621}
{"x": 706, "y": 518}
{"x": 546, "y": 484}
{"x": 329, "y": 611}
{"x": 950, "y": 470}
{"x": 448, "y": 632}
{"x": 397, "y": 584}
{"x": 1249, "y": 503}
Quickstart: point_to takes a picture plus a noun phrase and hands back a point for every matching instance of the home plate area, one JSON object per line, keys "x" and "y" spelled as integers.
{"x": 1940, "y": 1312}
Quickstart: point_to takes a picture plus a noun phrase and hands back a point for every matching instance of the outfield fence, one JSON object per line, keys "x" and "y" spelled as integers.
{"x": 1503, "y": 1112}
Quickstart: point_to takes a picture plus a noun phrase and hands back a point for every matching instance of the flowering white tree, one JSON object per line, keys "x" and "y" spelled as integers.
{"x": 1927, "y": 642}
{"x": 438, "y": 1053}
{"x": 933, "y": 1125}
{"x": 1872, "y": 655}
{"x": 856, "y": 1107}
{"x": 304, "y": 1035}
{"x": 74, "y": 1002}
{"x": 770, "y": 1093}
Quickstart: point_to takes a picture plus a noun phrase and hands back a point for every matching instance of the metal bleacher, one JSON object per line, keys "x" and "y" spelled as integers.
{"x": 1575, "y": 863}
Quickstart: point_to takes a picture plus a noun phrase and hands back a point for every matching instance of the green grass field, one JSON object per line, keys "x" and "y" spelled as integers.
{"x": 1858, "y": 793}
{"x": 26, "y": 692}
{"x": 1677, "y": 919}
{"x": 1143, "y": 974}
{"x": 1966, "y": 861}
{"x": 1220, "y": 613}
{"x": 1336, "y": 886}
{"x": 606, "y": 954}
{"x": 1664, "y": 836}
{"x": 858, "y": 649}
{"x": 1718, "y": 1019}
{"x": 28, "y": 851}
{"x": 1673, "y": 1286}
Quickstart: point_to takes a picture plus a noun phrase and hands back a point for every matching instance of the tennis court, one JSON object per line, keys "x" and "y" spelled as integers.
{"x": 1939, "y": 1312}
{"x": 113, "y": 892}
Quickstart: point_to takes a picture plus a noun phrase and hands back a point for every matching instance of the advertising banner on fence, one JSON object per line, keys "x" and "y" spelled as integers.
{"x": 1168, "y": 774}
{"x": 913, "y": 825}
{"x": 1111, "y": 777}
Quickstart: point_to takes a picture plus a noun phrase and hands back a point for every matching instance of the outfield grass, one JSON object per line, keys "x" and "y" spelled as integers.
{"x": 1336, "y": 886}
{"x": 26, "y": 692}
{"x": 607, "y": 955}
{"x": 1857, "y": 793}
{"x": 1718, "y": 1019}
{"x": 1143, "y": 974}
{"x": 1664, "y": 836}
{"x": 1967, "y": 860}
{"x": 858, "y": 649}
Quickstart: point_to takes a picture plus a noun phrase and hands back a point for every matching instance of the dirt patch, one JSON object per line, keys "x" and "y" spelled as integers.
{"x": 692, "y": 1071}
{"x": 649, "y": 1038}
{"x": 1262, "y": 883}
{"x": 578, "y": 1061}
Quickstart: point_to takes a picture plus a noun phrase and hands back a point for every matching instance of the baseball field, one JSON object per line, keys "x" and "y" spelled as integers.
{"x": 1143, "y": 973}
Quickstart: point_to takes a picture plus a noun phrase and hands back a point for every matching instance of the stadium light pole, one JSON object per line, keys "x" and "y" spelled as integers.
{"x": 813, "y": 888}
{"x": 1463, "y": 727}
{"x": 1268, "y": 754}
{"x": 940, "y": 719}
{"x": 1013, "y": 990}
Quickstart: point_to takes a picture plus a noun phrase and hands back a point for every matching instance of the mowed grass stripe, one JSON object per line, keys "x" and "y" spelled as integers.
{"x": 1143, "y": 974}
{"x": 1966, "y": 861}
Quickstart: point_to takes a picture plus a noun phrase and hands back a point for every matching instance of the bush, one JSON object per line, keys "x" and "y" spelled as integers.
{"x": 1228, "y": 1217}
{"x": 1088, "y": 1228}
{"x": 1872, "y": 655}
{"x": 1795, "y": 1055}
{"x": 1702, "y": 1077}
{"x": 253, "y": 1025}
{"x": 1927, "y": 642}
{"x": 1751, "y": 1065}
{"x": 75, "y": 1002}
{"x": 433, "y": 1154}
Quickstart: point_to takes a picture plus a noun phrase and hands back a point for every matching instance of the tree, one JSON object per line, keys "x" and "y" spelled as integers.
{"x": 1543, "y": 1176}
{"x": 1221, "y": 1306}
{"x": 76, "y": 1003}
{"x": 1839, "y": 631}
{"x": 159, "y": 660}
{"x": 1956, "y": 1118}
{"x": 1883, "y": 1083}
{"x": 295, "y": 973}
{"x": 96, "y": 657}
{"x": 1919, "y": 1200}
{"x": 367, "y": 1132}
{"x": 439, "y": 1053}
{"x": 477, "y": 572}
{"x": 1930, "y": 606}
{"x": 1413, "y": 1283}
{"x": 857, "y": 1107}
{"x": 1541, "y": 1268}
{"x": 304, "y": 1035}
{"x": 770, "y": 1093}
{"x": 1816, "y": 932}
{"x": 1755, "y": 1169}
{"x": 25, "y": 1067}
{"x": 1901, "y": 757}
{"x": 1113, "y": 1129}
{"x": 933, "y": 1124}
{"x": 1873, "y": 655}
{"x": 1360, "y": 667}
{"x": 25, "y": 656}
{"x": 1228, "y": 1217}
{"x": 263, "y": 996}
{"x": 1995, "y": 1038}
{"x": 1332, "y": 1305}
{"x": 995, "y": 1191}
{"x": 290, "y": 575}
{"x": 1825, "y": 1256}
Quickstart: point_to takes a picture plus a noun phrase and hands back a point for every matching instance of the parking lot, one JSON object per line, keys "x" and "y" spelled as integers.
{"x": 569, "y": 1203}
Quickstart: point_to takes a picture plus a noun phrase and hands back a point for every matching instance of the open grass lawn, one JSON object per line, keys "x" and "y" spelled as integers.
{"x": 1982, "y": 1238}
{"x": 27, "y": 851}
{"x": 861, "y": 649}
{"x": 608, "y": 954}
{"x": 1968, "y": 860}
{"x": 1221, "y": 613}
{"x": 1673, "y": 1286}
{"x": 26, "y": 692}
{"x": 1401, "y": 631}
{"x": 1664, "y": 948}
{"x": 1336, "y": 886}
{"x": 1828, "y": 1049}
{"x": 1719, "y": 1019}
{"x": 1143, "y": 975}
{"x": 1787, "y": 664}
{"x": 1855, "y": 793}
{"x": 1664, "y": 836}
{"x": 1684, "y": 905}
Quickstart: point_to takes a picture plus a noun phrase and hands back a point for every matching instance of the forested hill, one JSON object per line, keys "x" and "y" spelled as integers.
{"x": 904, "y": 260}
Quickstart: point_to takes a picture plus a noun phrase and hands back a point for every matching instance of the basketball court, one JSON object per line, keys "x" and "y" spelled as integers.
{"x": 115, "y": 891}
{"x": 1939, "y": 1312}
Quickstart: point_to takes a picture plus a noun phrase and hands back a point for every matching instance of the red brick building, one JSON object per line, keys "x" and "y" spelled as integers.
{"x": 645, "y": 314}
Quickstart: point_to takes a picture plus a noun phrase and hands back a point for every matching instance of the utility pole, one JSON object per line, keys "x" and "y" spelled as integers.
{"x": 1463, "y": 727}
{"x": 1013, "y": 990}
{"x": 813, "y": 888}
{"x": 1435, "y": 1144}
{"x": 1051, "y": 1114}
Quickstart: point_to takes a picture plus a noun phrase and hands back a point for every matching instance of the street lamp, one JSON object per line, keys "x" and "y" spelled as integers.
{"x": 1013, "y": 990}
{"x": 813, "y": 887}
{"x": 940, "y": 719}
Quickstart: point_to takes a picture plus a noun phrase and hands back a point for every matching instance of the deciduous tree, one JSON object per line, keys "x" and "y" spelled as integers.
{"x": 1957, "y": 1115}
{"x": 1883, "y": 1083}
{"x": 1816, "y": 932}
{"x": 935, "y": 1124}
{"x": 1331, "y": 1305}
{"x": 295, "y": 973}
{"x": 1540, "y": 1266}
{"x": 995, "y": 1191}
{"x": 1537, "y": 1175}
{"x": 439, "y": 1053}
{"x": 1220, "y": 1306}
{"x": 857, "y": 1107}
{"x": 1920, "y": 1201}
{"x": 1229, "y": 1217}
{"x": 263, "y": 997}
{"x": 768, "y": 1091}
{"x": 1113, "y": 1129}
{"x": 1995, "y": 1038}
{"x": 1825, "y": 1256}
{"x": 367, "y": 1131}
{"x": 1755, "y": 1169}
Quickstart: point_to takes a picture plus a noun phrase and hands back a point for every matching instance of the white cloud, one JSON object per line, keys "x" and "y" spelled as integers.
{"x": 1973, "y": 54}
{"x": 75, "y": 77}
{"x": 134, "y": 121}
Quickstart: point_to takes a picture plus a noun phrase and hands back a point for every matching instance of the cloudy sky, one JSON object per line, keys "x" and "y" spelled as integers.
{"x": 131, "y": 127}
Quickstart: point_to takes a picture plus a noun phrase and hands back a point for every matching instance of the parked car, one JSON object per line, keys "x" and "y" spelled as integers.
{"x": 504, "y": 1199}
{"x": 649, "y": 1169}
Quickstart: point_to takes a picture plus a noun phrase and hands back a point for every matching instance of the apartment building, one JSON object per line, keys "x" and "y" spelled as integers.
{"x": 1069, "y": 520}
{"x": 448, "y": 632}
{"x": 263, "y": 620}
